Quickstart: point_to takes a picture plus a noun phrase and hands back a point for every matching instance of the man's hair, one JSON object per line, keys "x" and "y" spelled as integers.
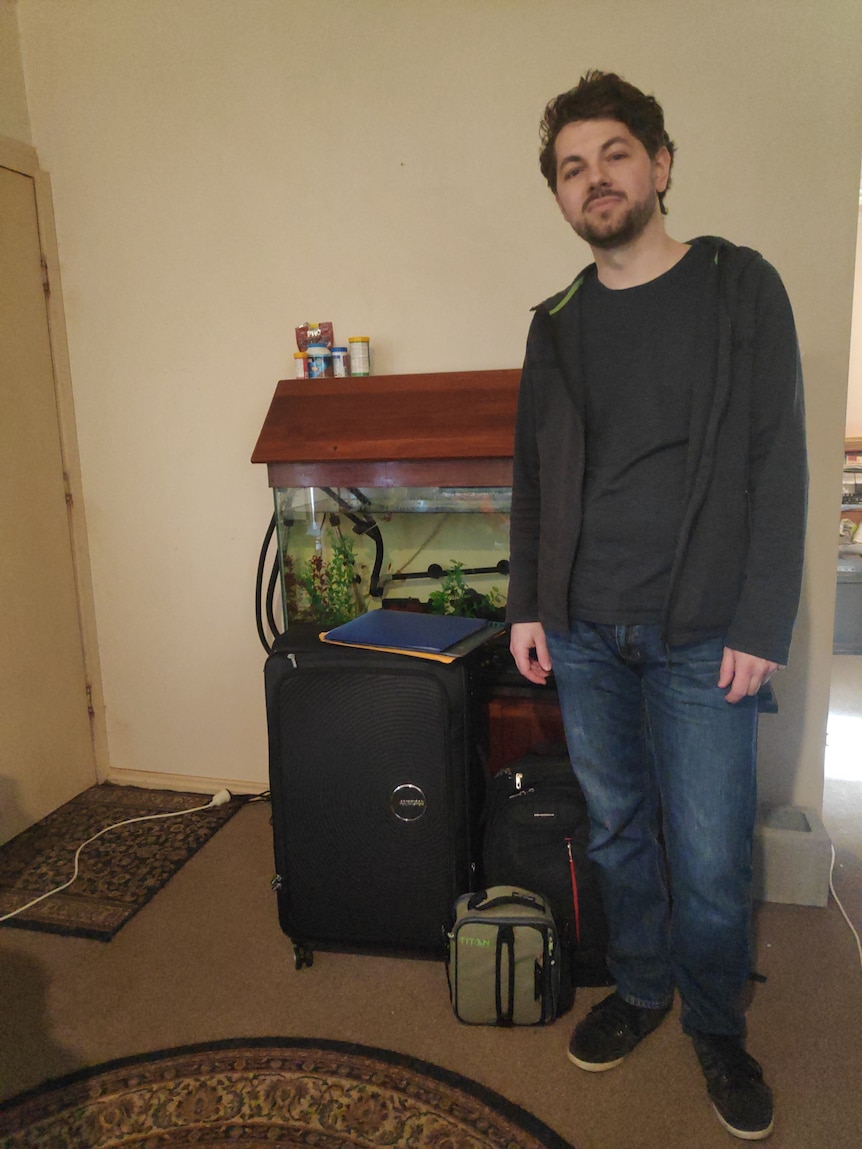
{"x": 604, "y": 96}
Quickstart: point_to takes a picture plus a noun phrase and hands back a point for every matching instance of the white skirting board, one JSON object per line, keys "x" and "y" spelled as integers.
{"x": 153, "y": 780}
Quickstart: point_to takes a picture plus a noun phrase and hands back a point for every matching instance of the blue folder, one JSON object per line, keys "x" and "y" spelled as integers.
{"x": 406, "y": 630}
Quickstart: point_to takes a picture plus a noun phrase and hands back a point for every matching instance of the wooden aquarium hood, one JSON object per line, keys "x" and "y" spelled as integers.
{"x": 452, "y": 429}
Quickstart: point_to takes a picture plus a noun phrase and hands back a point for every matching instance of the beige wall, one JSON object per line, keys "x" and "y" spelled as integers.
{"x": 14, "y": 121}
{"x": 224, "y": 170}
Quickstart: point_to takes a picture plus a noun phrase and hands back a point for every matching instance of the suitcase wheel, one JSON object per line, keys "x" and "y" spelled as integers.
{"x": 302, "y": 956}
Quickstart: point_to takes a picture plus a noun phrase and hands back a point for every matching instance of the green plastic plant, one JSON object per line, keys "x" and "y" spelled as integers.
{"x": 456, "y": 597}
{"x": 329, "y": 583}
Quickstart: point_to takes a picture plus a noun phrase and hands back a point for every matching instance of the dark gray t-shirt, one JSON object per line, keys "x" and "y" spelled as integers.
{"x": 639, "y": 361}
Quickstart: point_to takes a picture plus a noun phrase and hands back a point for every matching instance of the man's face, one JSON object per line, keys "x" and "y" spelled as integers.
{"x": 606, "y": 181}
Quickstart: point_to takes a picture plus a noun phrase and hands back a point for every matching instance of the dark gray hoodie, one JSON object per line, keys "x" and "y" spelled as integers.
{"x": 737, "y": 570}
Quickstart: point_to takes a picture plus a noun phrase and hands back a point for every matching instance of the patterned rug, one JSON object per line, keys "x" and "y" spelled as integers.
{"x": 118, "y": 873}
{"x": 278, "y": 1093}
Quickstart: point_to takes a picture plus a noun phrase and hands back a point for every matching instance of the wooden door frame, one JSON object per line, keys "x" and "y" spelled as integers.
{"x": 22, "y": 158}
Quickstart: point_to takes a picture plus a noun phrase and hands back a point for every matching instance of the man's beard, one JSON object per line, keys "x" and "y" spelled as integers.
{"x": 627, "y": 228}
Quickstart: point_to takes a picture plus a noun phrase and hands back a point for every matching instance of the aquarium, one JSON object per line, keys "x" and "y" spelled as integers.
{"x": 346, "y": 550}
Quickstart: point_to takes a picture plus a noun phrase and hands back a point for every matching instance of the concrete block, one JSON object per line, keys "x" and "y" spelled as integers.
{"x": 792, "y": 856}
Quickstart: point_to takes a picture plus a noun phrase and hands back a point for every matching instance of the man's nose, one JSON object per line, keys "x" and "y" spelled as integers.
{"x": 597, "y": 176}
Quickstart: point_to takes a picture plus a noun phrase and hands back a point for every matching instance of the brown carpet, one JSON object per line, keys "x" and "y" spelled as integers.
{"x": 281, "y": 1092}
{"x": 118, "y": 873}
{"x": 206, "y": 961}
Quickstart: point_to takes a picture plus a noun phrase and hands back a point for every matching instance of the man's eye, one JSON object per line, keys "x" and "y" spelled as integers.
{"x": 619, "y": 155}
{"x": 570, "y": 172}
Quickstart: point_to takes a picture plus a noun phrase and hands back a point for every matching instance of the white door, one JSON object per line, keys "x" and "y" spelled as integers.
{"x": 46, "y": 748}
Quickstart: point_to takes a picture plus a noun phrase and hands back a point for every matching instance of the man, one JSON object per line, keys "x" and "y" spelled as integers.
{"x": 657, "y": 529}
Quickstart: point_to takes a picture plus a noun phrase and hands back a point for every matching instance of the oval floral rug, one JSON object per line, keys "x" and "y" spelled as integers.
{"x": 269, "y": 1092}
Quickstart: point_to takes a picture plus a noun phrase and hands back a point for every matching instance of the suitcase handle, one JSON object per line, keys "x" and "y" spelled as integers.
{"x": 478, "y": 901}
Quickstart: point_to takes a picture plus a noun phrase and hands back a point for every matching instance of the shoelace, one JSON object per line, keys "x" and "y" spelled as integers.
{"x": 726, "y": 1061}
{"x": 615, "y": 1012}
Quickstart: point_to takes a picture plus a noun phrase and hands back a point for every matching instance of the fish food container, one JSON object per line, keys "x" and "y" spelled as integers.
{"x": 360, "y": 355}
{"x": 319, "y": 361}
{"x": 340, "y": 362}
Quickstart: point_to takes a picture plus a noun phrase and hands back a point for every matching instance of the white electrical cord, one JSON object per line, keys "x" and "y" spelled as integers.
{"x": 220, "y": 799}
{"x": 843, "y": 911}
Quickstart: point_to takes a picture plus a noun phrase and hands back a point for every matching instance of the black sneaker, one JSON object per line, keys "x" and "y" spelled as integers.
{"x": 734, "y": 1081}
{"x": 609, "y": 1031}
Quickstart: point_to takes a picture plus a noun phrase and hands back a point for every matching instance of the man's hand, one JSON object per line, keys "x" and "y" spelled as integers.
{"x": 525, "y": 638}
{"x": 743, "y": 673}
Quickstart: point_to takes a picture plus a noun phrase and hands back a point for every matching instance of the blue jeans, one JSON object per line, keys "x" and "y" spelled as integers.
{"x": 669, "y": 771}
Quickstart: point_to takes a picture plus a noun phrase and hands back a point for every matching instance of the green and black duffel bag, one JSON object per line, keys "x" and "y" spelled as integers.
{"x": 504, "y": 958}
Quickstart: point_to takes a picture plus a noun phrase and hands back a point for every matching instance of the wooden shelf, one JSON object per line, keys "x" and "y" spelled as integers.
{"x": 451, "y": 428}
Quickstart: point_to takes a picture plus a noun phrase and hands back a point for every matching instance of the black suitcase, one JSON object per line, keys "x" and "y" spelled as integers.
{"x": 377, "y": 791}
{"x": 536, "y": 833}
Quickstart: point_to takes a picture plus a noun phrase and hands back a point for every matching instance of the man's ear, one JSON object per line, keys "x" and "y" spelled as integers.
{"x": 661, "y": 168}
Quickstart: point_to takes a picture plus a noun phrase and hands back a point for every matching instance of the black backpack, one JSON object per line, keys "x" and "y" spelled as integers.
{"x": 536, "y": 832}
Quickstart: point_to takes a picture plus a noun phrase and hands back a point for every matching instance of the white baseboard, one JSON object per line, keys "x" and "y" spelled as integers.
{"x": 192, "y": 784}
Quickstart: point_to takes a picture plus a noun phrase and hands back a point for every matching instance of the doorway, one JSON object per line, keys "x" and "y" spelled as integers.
{"x": 46, "y": 747}
{"x": 842, "y": 782}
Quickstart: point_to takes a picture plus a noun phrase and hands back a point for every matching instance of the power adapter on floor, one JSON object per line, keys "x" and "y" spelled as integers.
{"x": 221, "y": 798}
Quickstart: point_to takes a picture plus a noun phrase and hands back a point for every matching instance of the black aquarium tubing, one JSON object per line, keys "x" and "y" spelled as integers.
{"x": 261, "y": 563}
